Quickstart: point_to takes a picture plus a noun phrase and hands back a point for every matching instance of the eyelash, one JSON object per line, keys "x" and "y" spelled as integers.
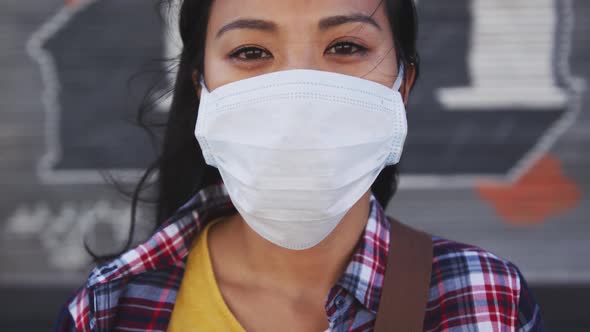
{"x": 244, "y": 53}
{"x": 351, "y": 47}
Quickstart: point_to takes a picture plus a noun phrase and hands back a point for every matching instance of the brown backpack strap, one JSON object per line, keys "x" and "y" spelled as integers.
{"x": 406, "y": 282}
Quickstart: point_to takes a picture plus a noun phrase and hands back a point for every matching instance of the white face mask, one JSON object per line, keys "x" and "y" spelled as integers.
{"x": 297, "y": 149}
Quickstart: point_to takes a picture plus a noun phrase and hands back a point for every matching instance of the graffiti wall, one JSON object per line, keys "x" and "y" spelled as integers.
{"x": 497, "y": 152}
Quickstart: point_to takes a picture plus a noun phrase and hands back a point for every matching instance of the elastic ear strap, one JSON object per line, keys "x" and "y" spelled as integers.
{"x": 400, "y": 78}
{"x": 203, "y": 86}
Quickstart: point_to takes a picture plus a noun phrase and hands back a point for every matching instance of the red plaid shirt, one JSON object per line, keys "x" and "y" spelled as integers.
{"x": 471, "y": 289}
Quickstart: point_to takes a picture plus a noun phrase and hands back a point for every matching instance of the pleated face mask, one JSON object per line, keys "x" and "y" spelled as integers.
{"x": 297, "y": 149}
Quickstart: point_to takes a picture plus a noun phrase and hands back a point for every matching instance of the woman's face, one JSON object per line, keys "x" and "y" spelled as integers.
{"x": 246, "y": 38}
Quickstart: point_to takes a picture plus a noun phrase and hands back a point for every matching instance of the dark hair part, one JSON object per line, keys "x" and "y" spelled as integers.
{"x": 181, "y": 168}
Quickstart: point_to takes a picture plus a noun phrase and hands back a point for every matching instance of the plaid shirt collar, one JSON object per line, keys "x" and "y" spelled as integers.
{"x": 169, "y": 246}
{"x": 471, "y": 289}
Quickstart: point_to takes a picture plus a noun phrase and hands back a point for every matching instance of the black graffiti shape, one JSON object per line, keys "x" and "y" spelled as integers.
{"x": 104, "y": 45}
{"x": 444, "y": 142}
{"x": 96, "y": 54}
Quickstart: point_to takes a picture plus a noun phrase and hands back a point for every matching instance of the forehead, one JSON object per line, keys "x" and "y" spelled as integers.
{"x": 291, "y": 12}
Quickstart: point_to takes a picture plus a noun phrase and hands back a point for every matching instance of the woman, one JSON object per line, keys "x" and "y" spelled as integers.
{"x": 299, "y": 126}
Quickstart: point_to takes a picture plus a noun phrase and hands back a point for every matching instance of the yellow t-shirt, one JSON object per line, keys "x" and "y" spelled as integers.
{"x": 199, "y": 305}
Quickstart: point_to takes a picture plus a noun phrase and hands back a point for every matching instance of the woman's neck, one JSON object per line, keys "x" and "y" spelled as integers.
{"x": 241, "y": 254}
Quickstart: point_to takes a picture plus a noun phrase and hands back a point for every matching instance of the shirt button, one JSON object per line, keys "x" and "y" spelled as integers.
{"x": 339, "y": 301}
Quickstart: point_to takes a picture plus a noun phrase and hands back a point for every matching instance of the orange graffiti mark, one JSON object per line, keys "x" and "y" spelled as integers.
{"x": 542, "y": 192}
{"x": 72, "y": 3}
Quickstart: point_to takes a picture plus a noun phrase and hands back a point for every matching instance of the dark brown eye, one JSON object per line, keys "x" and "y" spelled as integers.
{"x": 345, "y": 48}
{"x": 250, "y": 53}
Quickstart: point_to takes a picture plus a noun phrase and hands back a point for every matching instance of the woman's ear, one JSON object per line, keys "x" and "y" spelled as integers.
{"x": 406, "y": 87}
{"x": 196, "y": 77}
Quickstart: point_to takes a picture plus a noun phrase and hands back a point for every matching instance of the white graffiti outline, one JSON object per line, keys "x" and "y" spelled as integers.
{"x": 575, "y": 86}
{"x": 50, "y": 99}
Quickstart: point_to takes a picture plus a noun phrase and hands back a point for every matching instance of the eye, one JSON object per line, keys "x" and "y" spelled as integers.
{"x": 249, "y": 53}
{"x": 345, "y": 48}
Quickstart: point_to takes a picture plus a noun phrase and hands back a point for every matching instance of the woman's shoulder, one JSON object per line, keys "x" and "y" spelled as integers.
{"x": 143, "y": 300}
{"x": 145, "y": 279}
{"x": 473, "y": 287}
{"x": 459, "y": 268}
{"x": 453, "y": 259}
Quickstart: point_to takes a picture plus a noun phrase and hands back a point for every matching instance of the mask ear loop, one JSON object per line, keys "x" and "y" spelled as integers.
{"x": 400, "y": 78}
{"x": 203, "y": 86}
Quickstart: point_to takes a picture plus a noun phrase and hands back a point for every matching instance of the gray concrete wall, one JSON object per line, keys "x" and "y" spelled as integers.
{"x": 497, "y": 153}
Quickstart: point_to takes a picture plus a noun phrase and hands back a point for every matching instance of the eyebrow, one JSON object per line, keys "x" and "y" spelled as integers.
{"x": 247, "y": 23}
{"x": 324, "y": 24}
{"x": 334, "y": 21}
